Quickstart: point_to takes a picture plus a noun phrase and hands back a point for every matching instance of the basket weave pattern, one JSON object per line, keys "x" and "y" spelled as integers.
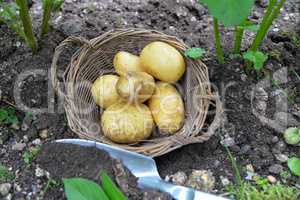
{"x": 95, "y": 58}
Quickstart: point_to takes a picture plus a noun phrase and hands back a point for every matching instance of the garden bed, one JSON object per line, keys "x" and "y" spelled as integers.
{"x": 252, "y": 141}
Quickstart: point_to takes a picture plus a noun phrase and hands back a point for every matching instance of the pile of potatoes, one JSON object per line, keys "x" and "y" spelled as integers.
{"x": 141, "y": 95}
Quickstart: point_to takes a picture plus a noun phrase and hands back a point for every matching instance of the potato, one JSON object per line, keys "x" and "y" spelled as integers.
{"x": 162, "y": 61}
{"x": 136, "y": 87}
{"x": 127, "y": 123}
{"x": 167, "y": 108}
{"x": 126, "y": 62}
{"x": 104, "y": 90}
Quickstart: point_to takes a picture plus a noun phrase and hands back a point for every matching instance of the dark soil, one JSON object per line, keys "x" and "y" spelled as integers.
{"x": 252, "y": 140}
{"x": 69, "y": 161}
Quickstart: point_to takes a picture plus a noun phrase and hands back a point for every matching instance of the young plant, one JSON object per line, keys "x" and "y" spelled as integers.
{"x": 257, "y": 58}
{"x": 9, "y": 16}
{"x": 110, "y": 187}
{"x": 5, "y": 175}
{"x": 194, "y": 53}
{"x": 49, "y": 6}
{"x": 231, "y": 13}
{"x": 8, "y": 116}
{"x": 30, "y": 155}
{"x": 27, "y": 24}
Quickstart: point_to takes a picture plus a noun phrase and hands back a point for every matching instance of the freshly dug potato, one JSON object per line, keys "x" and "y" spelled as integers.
{"x": 127, "y": 123}
{"x": 162, "y": 61}
{"x": 167, "y": 108}
{"x": 136, "y": 87}
{"x": 104, "y": 90}
{"x": 126, "y": 62}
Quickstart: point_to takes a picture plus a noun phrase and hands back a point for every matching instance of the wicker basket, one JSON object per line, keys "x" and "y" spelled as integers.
{"x": 95, "y": 57}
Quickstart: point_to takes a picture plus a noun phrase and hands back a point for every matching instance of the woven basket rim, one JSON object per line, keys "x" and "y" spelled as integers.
{"x": 152, "y": 147}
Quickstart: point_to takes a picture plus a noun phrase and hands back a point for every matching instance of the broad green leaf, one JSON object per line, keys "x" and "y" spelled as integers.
{"x": 257, "y": 58}
{"x": 294, "y": 165}
{"x": 194, "y": 53}
{"x": 82, "y": 189}
{"x": 229, "y": 12}
{"x": 110, "y": 187}
{"x": 249, "y": 26}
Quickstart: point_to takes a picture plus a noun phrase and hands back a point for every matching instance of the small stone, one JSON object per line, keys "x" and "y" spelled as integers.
{"x": 275, "y": 139}
{"x": 271, "y": 179}
{"x": 18, "y": 146}
{"x": 41, "y": 173}
{"x": 245, "y": 149}
{"x": 275, "y": 169}
{"x": 179, "y": 178}
{"x": 279, "y": 147}
{"x": 201, "y": 180}
{"x": 32, "y": 133}
{"x": 250, "y": 168}
{"x": 15, "y": 126}
{"x": 37, "y": 142}
{"x": 8, "y": 197}
{"x": 44, "y": 134}
{"x": 224, "y": 180}
{"x": 235, "y": 148}
{"x": 5, "y": 188}
{"x": 281, "y": 157}
{"x": 228, "y": 142}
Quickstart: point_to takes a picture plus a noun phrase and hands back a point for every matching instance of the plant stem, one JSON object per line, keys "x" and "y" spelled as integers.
{"x": 219, "y": 49}
{"x": 47, "y": 6}
{"x": 263, "y": 28}
{"x": 27, "y": 24}
{"x": 239, "y": 32}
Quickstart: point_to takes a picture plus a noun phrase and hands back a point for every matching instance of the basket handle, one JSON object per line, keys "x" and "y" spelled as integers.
{"x": 71, "y": 40}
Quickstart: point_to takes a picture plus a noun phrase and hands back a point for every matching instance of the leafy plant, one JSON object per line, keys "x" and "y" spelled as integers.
{"x": 5, "y": 175}
{"x": 51, "y": 183}
{"x": 234, "y": 13}
{"x": 194, "y": 53}
{"x": 8, "y": 116}
{"x": 30, "y": 155}
{"x": 83, "y": 189}
{"x": 257, "y": 58}
{"x": 294, "y": 165}
{"x": 48, "y": 7}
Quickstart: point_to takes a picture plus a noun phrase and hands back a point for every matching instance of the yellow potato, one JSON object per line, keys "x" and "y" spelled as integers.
{"x": 126, "y": 62}
{"x": 104, "y": 90}
{"x": 127, "y": 123}
{"x": 136, "y": 87}
{"x": 163, "y": 61}
{"x": 167, "y": 108}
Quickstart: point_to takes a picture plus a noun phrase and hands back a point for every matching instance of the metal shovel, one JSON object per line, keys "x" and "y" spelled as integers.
{"x": 144, "y": 168}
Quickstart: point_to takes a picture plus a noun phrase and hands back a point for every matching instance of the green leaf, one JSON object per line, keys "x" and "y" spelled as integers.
{"x": 249, "y": 26}
{"x": 229, "y": 12}
{"x": 257, "y": 58}
{"x": 82, "y": 189}
{"x": 110, "y": 187}
{"x": 194, "y": 53}
{"x": 294, "y": 165}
